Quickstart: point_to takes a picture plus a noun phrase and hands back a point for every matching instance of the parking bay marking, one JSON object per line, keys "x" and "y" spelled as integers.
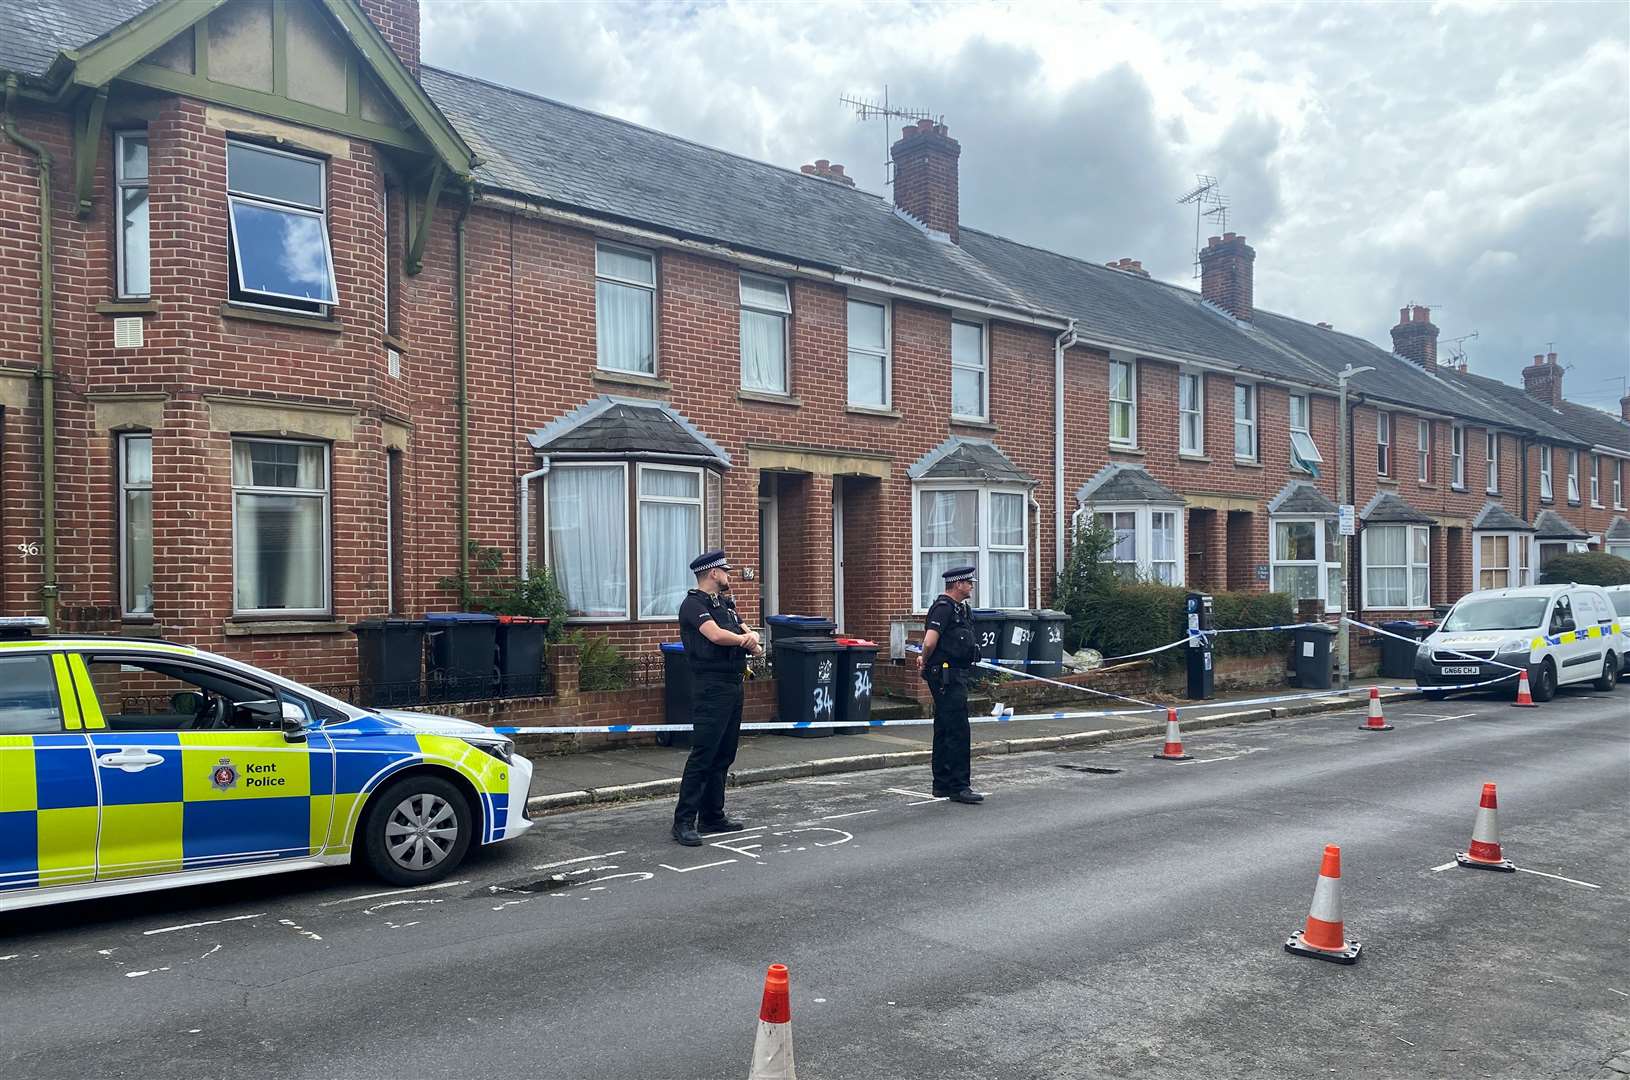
{"x": 1536, "y": 873}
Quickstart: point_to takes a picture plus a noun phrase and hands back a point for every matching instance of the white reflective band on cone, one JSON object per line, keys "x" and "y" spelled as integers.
{"x": 1326, "y": 900}
{"x": 1486, "y": 827}
{"x": 772, "y": 1053}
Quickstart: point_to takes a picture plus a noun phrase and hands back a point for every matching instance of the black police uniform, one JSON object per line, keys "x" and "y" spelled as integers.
{"x": 716, "y": 679}
{"x": 946, "y": 672}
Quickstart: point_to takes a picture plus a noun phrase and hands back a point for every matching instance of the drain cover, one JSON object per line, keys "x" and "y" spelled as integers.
{"x": 1099, "y": 770}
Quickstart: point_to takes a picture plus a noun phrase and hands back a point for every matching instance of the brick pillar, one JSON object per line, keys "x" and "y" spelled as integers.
{"x": 1440, "y": 571}
{"x": 561, "y": 660}
{"x": 1245, "y": 550}
{"x": 1208, "y": 539}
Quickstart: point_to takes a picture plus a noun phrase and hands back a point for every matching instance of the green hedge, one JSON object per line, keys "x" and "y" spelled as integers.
{"x": 1586, "y": 568}
{"x": 1131, "y": 617}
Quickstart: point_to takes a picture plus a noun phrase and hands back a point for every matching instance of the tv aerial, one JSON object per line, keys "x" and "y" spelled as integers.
{"x": 873, "y": 108}
{"x": 1207, "y": 198}
{"x": 1455, "y": 348}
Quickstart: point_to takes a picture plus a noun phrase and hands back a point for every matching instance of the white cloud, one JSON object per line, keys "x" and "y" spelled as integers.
{"x": 1472, "y": 155}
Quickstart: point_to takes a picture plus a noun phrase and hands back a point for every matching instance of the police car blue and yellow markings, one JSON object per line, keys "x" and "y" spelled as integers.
{"x": 1571, "y": 636}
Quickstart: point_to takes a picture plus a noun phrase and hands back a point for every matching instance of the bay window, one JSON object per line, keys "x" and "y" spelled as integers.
{"x": 277, "y": 211}
{"x": 983, "y": 527}
{"x": 1306, "y": 559}
{"x": 1383, "y": 444}
{"x": 670, "y": 534}
{"x": 1191, "y": 413}
{"x": 765, "y": 311}
{"x": 1123, "y": 403}
{"x": 625, "y": 290}
{"x": 868, "y": 354}
{"x": 1457, "y": 456}
{"x": 1423, "y": 450}
{"x": 1304, "y": 454}
{"x": 1502, "y": 559}
{"x": 970, "y": 371}
{"x": 1396, "y": 559}
{"x": 280, "y": 512}
{"x": 1545, "y": 489}
{"x": 136, "y": 523}
{"x": 1148, "y": 541}
{"x": 1245, "y": 421}
{"x": 130, "y": 168}
{"x": 1491, "y": 442}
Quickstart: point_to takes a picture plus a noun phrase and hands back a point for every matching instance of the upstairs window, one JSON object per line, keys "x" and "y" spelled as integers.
{"x": 625, "y": 293}
{"x": 1191, "y": 413}
{"x": 970, "y": 373}
{"x": 1618, "y": 485}
{"x": 1595, "y": 482}
{"x": 1123, "y": 403}
{"x": 1423, "y": 450}
{"x": 277, "y": 204}
{"x": 1244, "y": 422}
{"x": 1457, "y": 456}
{"x": 1573, "y": 476}
{"x": 1545, "y": 488}
{"x": 130, "y": 167}
{"x": 868, "y": 354}
{"x": 1492, "y": 452}
{"x": 1383, "y": 444}
{"x": 765, "y": 308}
{"x": 1304, "y": 454}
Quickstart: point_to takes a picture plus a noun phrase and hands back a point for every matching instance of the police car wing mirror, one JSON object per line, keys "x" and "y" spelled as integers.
{"x": 294, "y": 722}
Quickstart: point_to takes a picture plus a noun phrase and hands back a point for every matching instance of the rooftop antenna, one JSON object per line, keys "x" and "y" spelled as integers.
{"x": 872, "y": 108}
{"x": 1455, "y": 348}
{"x": 1207, "y": 197}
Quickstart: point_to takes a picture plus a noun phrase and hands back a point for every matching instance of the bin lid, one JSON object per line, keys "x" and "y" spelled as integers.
{"x": 673, "y": 646}
{"x": 856, "y": 643}
{"x": 1050, "y": 613}
{"x": 809, "y": 644}
{"x": 523, "y": 620}
{"x": 1315, "y": 628}
{"x": 387, "y": 624}
{"x": 799, "y": 620}
{"x": 1399, "y": 625}
{"x": 989, "y": 613}
{"x": 459, "y": 617}
{"x": 1018, "y": 614}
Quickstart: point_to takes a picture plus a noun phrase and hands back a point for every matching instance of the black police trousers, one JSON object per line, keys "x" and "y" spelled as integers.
{"x": 952, "y": 736}
{"x": 716, "y": 714}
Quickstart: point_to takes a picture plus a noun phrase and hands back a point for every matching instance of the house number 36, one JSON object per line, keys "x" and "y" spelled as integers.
{"x": 28, "y": 548}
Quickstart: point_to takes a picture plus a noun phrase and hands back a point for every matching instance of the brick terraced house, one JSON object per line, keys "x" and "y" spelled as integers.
{"x": 292, "y": 321}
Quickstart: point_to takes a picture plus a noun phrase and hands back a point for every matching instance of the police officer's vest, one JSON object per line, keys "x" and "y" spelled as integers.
{"x": 957, "y": 645}
{"x": 702, "y": 653}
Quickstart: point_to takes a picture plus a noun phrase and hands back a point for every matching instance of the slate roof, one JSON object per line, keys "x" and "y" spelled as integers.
{"x": 1551, "y": 525}
{"x": 1300, "y": 497}
{"x": 1117, "y": 483}
{"x": 1386, "y": 508}
{"x": 32, "y": 32}
{"x": 1496, "y": 518}
{"x": 959, "y": 458}
{"x": 1619, "y": 529}
{"x": 1517, "y": 406}
{"x": 612, "y": 425}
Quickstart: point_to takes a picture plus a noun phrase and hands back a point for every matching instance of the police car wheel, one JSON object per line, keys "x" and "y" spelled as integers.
{"x": 1610, "y": 673}
{"x": 418, "y": 830}
{"x": 1544, "y": 688}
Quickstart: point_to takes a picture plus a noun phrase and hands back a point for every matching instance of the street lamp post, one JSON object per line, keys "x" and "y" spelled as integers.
{"x": 1341, "y": 500}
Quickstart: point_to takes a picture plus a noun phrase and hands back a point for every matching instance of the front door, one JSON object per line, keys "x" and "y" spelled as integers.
{"x": 195, "y": 770}
{"x": 837, "y": 552}
{"x": 769, "y": 549}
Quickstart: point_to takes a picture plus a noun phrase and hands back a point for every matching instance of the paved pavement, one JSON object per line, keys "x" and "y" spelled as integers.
{"x": 1101, "y": 915}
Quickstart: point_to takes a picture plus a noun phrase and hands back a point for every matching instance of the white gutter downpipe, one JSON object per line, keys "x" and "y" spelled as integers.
{"x": 523, "y": 524}
{"x": 1064, "y": 341}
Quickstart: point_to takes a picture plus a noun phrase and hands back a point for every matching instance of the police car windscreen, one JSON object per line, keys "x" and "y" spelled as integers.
{"x": 1497, "y": 613}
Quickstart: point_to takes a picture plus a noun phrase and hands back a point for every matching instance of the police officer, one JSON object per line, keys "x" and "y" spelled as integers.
{"x": 716, "y": 646}
{"x": 949, "y": 651}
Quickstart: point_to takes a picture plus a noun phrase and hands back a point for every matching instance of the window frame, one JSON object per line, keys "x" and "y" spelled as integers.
{"x": 1573, "y": 477}
{"x": 1423, "y": 450}
{"x": 1595, "y": 481}
{"x": 1143, "y": 537}
{"x": 652, "y": 287}
{"x": 636, "y": 598}
{"x": 125, "y": 488}
{"x": 1457, "y": 457}
{"x": 1491, "y": 459}
{"x": 1299, "y": 461}
{"x": 885, "y": 357}
{"x": 982, "y": 547}
{"x": 1618, "y": 484}
{"x": 1547, "y": 486}
{"x": 1409, "y": 566}
{"x": 1249, "y": 390}
{"x": 629, "y": 552}
{"x": 984, "y": 370}
{"x": 1322, "y": 534}
{"x": 1130, "y": 403}
{"x": 1519, "y": 559}
{"x": 121, "y": 184}
{"x": 1383, "y": 443}
{"x": 327, "y": 497}
{"x": 260, "y": 298}
{"x": 784, "y": 315}
{"x": 1197, "y": 380}
{"x": 56, "y": 722}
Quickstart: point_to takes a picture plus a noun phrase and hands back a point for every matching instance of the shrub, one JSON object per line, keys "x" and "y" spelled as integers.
{"x": 1586, "y": 568}
{"x": 1084, "y": 581}
{"x": 600, "y": 664}
{"x": 1240, "y": 609}
{"x": 537, "y": 594}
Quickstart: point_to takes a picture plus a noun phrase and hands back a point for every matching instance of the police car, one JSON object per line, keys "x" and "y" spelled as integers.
{"x": 130, "y": 765}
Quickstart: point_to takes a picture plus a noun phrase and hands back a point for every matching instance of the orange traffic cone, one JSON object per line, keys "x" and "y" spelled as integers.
{"x": 1484, "y": 853}
{"x": 1173, "y": 750}
{"x": 772, "y": 1049}
{"x": 1376, "y": 722}
{"x": 1323, "y": 938}
{"x": 1524, "y": 697}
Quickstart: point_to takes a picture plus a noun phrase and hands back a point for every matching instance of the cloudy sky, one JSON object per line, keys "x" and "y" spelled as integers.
{"x": 1471, "y": 156}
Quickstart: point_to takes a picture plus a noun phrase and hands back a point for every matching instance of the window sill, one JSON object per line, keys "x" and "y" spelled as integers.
{"x": 972, "y": 422}
{"x": 882, "y": 412}
{"x": 1424, "y": 486}
{"x": 284, "y": 626}
{"x": 1386, "y": 481}
{"x": 1246, "y": 463}
{"x": 1574, "y": 502}
{"x": 230, "y": 310}
{"x": 127, "y": 307}
{"x": 765, "y": 397}
{"x": 1461, "y": 488}
{"x": 141, "y": 628}
{"x": 631, "y": 378}
{"x": 1597, "y": 506}
{"x": 394, "y": 342}
{"x": 1543, "y": 501}
{"x": 1133, "y": 450}
{"x": 1198, "y": 459}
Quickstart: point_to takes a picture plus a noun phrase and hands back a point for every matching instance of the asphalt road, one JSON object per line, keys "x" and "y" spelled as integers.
{"x": 1078, "y": 924}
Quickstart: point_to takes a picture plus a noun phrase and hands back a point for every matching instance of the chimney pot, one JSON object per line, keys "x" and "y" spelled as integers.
{"x": 808, "y": 170}
{"x": 837, "y": 170}
{"x": 1550, "y": 358}
{"x": 822, "y": 164}
{"x": 1326, "y": 326}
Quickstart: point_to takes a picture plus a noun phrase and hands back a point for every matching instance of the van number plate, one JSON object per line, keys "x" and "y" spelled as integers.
{"x": 1461, "y": 670}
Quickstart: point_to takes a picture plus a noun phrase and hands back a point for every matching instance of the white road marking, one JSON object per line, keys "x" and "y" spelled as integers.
{"x": 738, "y": 832}
{"x": 211, "y": 953}
{"x": 302, "y": 931}
{"x": 917, "y": 794}
{"x": 1556, "y": 877}
{"x": 11, "y": 956}
{"x": 743, "y": 848}
{"x": 821, "y": 783}
{"x": 404, "y": 892}
{"x": 1610, "y": 990}
{"x": 195, "y": 925}
{"x": 139, "y": 974}
{"x": 512, "y": 903}
{"x": 585, "y": 858}
{"x": 1456, "y": 716}
{"x": 846, "y": 836}
{"x": 1445, "y": 866}
{"x": 852, "y": 813}
{"x": 688, "y": 869}
{"x": 399, "y": 903}
{"x": 820, "y": 1001}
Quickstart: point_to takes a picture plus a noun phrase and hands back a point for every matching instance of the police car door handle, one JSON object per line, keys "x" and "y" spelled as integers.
{"x": 129, "y": 760}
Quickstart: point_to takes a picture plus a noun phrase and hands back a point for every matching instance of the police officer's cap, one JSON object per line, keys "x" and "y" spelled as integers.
{"x": 710, "y": 560}
{"x": 958, "y": 573}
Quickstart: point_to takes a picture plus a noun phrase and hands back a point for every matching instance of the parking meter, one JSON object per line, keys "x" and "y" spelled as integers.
{"x": 1198, "y": 606}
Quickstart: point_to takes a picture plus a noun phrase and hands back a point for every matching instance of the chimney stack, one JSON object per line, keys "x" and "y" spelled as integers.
{"x": 825, "y": 170}
{"x": 1624, "y": 408}
{"x": 1130, "y": 266}
{"x": 1225, "y": 274}
{"x": 925, "y": 176}
{"x": 1326, "y": 326}
{"x": 1543, "y": 380}
{"x": 1415, "y": 338}
{"x": 398, "y": 23}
